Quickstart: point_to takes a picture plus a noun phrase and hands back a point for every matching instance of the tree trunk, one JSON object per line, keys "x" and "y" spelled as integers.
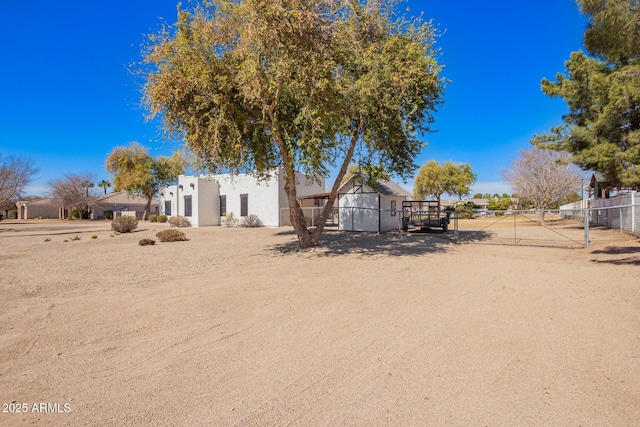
{"x": 334, "y": 190}
{"x": 147, "y": 208}
{"x": 296, "y": 216}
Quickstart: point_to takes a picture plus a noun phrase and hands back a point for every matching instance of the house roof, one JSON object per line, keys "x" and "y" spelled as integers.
{"x": 40, "y": 202}
{"x": 390, "y": 188}
{"x": 384, "y": 187}
{"x": 122, "y": 198}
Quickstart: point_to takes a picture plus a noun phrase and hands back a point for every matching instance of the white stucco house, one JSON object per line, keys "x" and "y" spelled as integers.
{"x": 363, "y": 208}
{"x": 206, "y": 199}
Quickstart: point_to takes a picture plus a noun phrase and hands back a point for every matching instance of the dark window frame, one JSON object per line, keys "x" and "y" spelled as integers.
{"x": 188, "y": 207}
{"x": 244, "y": 205}
{"x": 223, "y": 205}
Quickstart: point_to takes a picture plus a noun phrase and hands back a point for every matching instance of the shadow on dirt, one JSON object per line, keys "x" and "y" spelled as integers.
{"x": 414, "y": 243}
{"x": 618, "y": 250}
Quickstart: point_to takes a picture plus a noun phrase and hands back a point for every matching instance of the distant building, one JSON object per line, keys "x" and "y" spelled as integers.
{"x": 41, "y": 208}
{"x": 123, "y": 201}
{"x": 116, "y": 203}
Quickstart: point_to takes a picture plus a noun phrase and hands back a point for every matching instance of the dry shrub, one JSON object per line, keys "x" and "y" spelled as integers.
{"x": 230, "y": 220}
{"x": 251, "y": 220}
{"x": 124, "y": 224}
{"x": 146, "y": 242}
{"x": 171, "y": 235}
{"x": 179, "y": 221}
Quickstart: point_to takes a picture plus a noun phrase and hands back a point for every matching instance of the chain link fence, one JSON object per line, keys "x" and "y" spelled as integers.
{"x": 567, "y": 227}
{"x": 573, "y": 228}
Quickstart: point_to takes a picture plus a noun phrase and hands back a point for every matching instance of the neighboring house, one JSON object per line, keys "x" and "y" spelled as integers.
{"x": 114, "y": 202}
{"x": 482, "y": 204}
{"x": 599, "y": 187}
{"x": 123, "y": 201}
{"x": 363, "y": 208}
{"x": 41, "y": 208}
{"x": 207, "y": 199}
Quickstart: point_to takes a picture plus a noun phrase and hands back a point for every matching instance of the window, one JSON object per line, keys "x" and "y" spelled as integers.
{"x": 223, "y": 205}
{"x": 393, "y": 208}
{"x": 167, "y": 207}
{"x": 187, "y": 205}
{"x": 244, "y": 204}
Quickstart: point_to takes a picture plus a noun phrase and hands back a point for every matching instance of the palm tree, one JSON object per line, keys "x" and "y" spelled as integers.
{"x": 104, "y": 184}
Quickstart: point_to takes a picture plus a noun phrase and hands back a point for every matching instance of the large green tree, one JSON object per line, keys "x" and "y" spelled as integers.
{"x": 138, "y": 173}
{"x": 435, "y": 179}
{"x": 602, "y": 89}
{"x": 306, "y": 85}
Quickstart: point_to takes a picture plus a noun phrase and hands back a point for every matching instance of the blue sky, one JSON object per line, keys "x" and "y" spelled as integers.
{"x": 68, "y": 96}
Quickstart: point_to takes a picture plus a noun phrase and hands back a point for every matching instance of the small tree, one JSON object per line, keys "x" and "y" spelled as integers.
{"x": 500, "y": 204}
{"x": 542, "y": 177}
{"x": 73, "y": 191}
{"x": 136, "y": 172}
{"x": 435, "y": 179}
{"x": 15, "y": 175}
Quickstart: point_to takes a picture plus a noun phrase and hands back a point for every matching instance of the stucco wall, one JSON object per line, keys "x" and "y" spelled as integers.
{"x": 262, "y": 196}
{"x": 32, "y": 212}
{"x": 205, "y": 201}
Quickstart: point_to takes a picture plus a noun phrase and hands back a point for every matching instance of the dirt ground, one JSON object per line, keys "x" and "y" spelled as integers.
{"x": 235, "y": 327}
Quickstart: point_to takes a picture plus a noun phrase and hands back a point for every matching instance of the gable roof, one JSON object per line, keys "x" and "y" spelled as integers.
{"x": 384, "y": 187}
{"x": 40, "y": 202}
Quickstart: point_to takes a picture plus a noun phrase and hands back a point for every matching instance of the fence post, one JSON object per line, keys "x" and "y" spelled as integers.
{"x": 586, "y": 227}
{"x": 620, "y": 214}
{"x": 455, "y": 226}
{"x": 515, "y": 235}
{"x": 633, "y": 211}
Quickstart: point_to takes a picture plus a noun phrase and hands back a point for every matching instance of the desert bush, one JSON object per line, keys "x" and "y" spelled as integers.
{"x": 83, "y": 214}
{"x": 179, "y": 221}
{"x": 230, "y": 220}
{"x": 146, "y": 242}
{"x": 171, "y": 235}
{"x": 75, "y": 238}
{"x": 162, "y": 218}
{"x": 94, "y": 236}
{"x": 153, "y": 218}
{"x": 251, "y": 220}
{"x": 124, "y": 224}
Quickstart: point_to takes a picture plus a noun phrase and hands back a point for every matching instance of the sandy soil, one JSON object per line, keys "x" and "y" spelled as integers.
{"x": 237, "y": 327}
